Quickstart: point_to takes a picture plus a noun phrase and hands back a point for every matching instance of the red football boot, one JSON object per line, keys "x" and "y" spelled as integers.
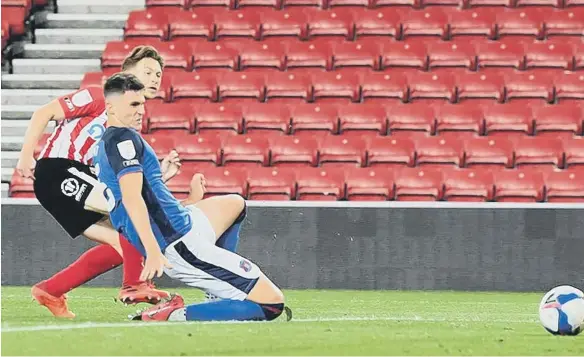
{"x": 143, "y": 292}
{"x": 161, "y": 311}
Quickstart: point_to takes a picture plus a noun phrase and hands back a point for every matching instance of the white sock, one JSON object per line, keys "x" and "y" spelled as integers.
{"x": 178, "y": 315}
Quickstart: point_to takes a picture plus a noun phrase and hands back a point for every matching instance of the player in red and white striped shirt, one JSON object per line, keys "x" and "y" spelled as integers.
{"x": 67, "y": 188}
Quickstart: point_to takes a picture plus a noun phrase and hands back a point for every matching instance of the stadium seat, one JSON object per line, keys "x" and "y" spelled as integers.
{"x": 570, "y": 86}
{"x": 477, "y": 85}
{"x": 539, "y": 154}
{"x": 207, "y": 55}
{"x": 288, "y": 87}
{"x": 330, "y": 23}
{"x": 177, "y": 3}
{"x": 380, "y": 86}
{"x": 146, "y": 23}
{"x": 450, "y": 54}
{"x": 574, "y": 151}
{"x": 21, "y": 187}
{"x": 341, "y": 151}
{"x": 243, "y": 150}
{"x": 387, "y": 151}
{"x": 5, "y": 33}
{"x": 315, "y": 119}
{"x": 218, "y": 118}
{"x": 189, "y": 25}
{"x": 548, "y": 55}
{"x": 193, "y": 4}
{"x": 220, "y": 180}
{"x": 320, "y": 184}
{"x": 428, "y": 85}
{"x": 262, "y": 56}
{"x": 378, "y": 22}
{"x": 351, "y": 3}
{"x": 455, "y": 120}
{"x": 199, "y": 150}
{"x": 418, "y": 184}
{"x": 468, "y": 185}
{"x": 498, "y": 54}
{"x": 567, "y": 22}
{"x": 369, "y": 184}
{"x": 563, "y": 186}
{"x": 240, "y": 87}
{"x": 473, "y": 22}
{"x": 350, "y": 56}
{"x": 426, "y": 22}
{"x": 169, "y": 116}
{"x": 283, "y": 23}
{"x": 518, "y": 186}
{"x": 521, "y": 22}
{"x": 14, "y": 17}
{"x": 360, "y": 119}
{"x": 270, "y": 183}
{"x": 287, "y": 4}
{"x": 294, "y": 151}
{"x": 529, "y": 85}
{"x": 392, "y": 3}
{"x": 559, "y": 120}
{"x": 488, "y": 152}
{"x": 404, "y": 56}
{"x": 554, "y": 3}
{"x": 198, "y": 86}
{"x": 508, "y": 119}
{"x": 264, "y": 118}
{"x": 238, "y": 23}
{"x": 307, "y": 55}
{"x": 435, "y": 151}
{"x": 93, "y": 79}
{"x": 335, "y": 87}
{"x": 408, "y": 119}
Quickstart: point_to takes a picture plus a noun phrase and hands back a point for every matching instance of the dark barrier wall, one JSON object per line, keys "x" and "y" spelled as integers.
{"x": 355, "y": 248}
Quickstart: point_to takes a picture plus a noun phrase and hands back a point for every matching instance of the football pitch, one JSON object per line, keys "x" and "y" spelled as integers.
{"x": 326, "y": 322}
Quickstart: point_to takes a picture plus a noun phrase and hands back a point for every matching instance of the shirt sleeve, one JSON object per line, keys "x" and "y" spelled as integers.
{"x": 125, "y": 152}
{"x": 84, "y": 102}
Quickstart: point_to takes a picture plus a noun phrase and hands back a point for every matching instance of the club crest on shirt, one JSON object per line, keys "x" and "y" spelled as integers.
{"x": 245, "y": 265}
{"x": 127, "y": 149}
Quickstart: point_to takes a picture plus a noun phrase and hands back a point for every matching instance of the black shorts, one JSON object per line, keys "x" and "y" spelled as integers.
{"x": 63, "y": 194}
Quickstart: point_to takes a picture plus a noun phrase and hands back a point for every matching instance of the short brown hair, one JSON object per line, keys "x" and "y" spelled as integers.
{"x": 121, "y": 83}
{"x": 139, "y": 53}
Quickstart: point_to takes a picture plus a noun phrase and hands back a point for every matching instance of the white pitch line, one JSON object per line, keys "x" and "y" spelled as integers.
{"x": 91, "y": 325}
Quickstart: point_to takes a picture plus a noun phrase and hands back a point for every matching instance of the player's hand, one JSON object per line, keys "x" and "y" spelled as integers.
{"x": 25, "y": 167}
{"x": 154, "y": 266}
{"x": 170, "y": 165}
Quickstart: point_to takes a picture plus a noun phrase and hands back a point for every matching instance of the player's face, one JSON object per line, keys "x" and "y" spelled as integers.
{"x": 149, "y": 72}
{"x": 129, "y": 109}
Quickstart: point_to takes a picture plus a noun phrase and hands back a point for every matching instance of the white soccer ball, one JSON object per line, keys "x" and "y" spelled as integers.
{"x": 561, "y": 311}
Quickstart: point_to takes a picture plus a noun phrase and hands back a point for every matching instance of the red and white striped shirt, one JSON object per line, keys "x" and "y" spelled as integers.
{"x": 76, "y": 137}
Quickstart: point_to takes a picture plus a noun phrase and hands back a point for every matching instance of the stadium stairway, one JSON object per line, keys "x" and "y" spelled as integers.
{"x": 67, "y": 43}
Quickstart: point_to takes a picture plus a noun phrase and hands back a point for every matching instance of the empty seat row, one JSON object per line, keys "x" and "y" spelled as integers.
{"x": 350, "y": 23}
{"x": 375, "y": 184}
{"x": 496, "y": 153}
{"x": 373, "y": 53}
{"x": 466, "y": 118}
{"x": 278, "y": 4}
{"x": 296, "y": 86}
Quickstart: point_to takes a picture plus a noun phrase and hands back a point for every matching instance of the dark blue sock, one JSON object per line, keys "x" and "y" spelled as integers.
{"x": 230, "y": 238}
{"x": 225, "y": 310}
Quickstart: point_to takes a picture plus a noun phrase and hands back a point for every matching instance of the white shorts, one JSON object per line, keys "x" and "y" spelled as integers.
{"x": 198, "y": 262}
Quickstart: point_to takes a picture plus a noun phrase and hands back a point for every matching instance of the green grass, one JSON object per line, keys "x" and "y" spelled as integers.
{"x": 357, "y": 323}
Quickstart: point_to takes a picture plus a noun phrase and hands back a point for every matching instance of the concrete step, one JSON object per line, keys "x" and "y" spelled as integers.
{"x": 18, "y": 127}
{"x": 99, "y": 6}
{"x": 55, "y": 66}
{"x": 78, "y": 36}
{"x": 4, "y": 191}
{"x": 9, "y": 159}
{"x": 96, "y": 21}
{"x": 35, "y": 97}
{"x": 16, "y": 112}
{"x": 7, "y": 174}
{"x": 11, "y": 143}
{"x": 73, "y": 51}
{"x": 41, "y": 81}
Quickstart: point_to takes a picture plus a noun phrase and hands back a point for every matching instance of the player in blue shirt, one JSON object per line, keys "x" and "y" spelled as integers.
{"x": 192, "y": 241}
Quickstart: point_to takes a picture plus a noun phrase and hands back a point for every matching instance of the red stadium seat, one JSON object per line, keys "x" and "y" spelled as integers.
{"x": 389, "y": 151}
{"x": 407, "y": 119}
{"x": 478, "y": 85}
{"x": 190, "y": 24}
{"x": 320, "y": 184}
{"x": 311, "y": 119}
{"x": 330, "y": 23}
{"x": 352, "y": 55}
{"x": 563, "y": 186}
{"x": 283, "y": 23}
{"x": 220, "y": 180}
{"x": 218, "y": 117}
{"x": 214, "y": 55}
{"x": 287, "y": 4}
{"x": 238, "y": 23}
{"x": 447, "y": 54}
{"x": 177, "y": 3}
{"x": 496, "y": 54}
{"x": 518, "y": 186}
{"x": 522, "y": 22}
{"x": 428, "y": 85}
{"x": 488, "y": 152}
{"x": 378, "y": 22}
{"x": 199, "y": 150}
{"x": 363, "y": 118}
{"x": 568, "y": 22}
{"x": 199, "y": 3}
{"x": 5, "y": 33}
{"x": 341, "y": 151}
{"x": 270, "y": 183}
{"x": 163, "y": 142}
{"x": 288, "y": 86}
{"x": 426, "y": 22}
{"x": 146, "y": 23}
{"x": 475, "y": 22}
{"x": 307, "y": 55}
{"x": 538, "y": 153}
{"x": 437, "y": 151}
{"x": 245, "y": 150}
{"x": 458, "y": 119}
{"x": 379, "y": 86}
{"x": 14, "y": 17}
{"x": 369, "y": 184}
{"x": 559, "y": 119}
{"x": 468, "y": 185}
{"x": 261, "y": 117}
{"x": 574, "y": 151}
{"x": 570, "y": 85}
{"x": 555, "y": 3}
{"x": 529, "y": 85}
{"x": 418, "y": 184}
{"x": 506, "y": 119}
{"x": 170, "y": 116}
{"x": 473, "y": 3}
{"x": 258, "y": 55}
{"x": 336, "y": 87}
{"x": 294, "y": 151}
{"x": 570, "y": 3}
{"x": 391, "y": 3}
{"x": 352, "y": 3}
{"x": 93, "y": 79}
{"x": 404, "y": 55}
{"x": 548, "y": 55}
{"x": 20, "y": 187}
{"x": 240, "y": 86}
{"x": 195, "y": 86}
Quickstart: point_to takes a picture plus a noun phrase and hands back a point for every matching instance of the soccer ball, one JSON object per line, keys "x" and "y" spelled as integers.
{"x": 561, "y": 311}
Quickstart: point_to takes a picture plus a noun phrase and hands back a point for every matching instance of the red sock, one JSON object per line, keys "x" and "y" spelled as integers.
{"x": 132, "y": 263}
{"x": 91, "y": 264}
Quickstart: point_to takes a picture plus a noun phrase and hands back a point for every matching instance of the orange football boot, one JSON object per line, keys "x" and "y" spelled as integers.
{"x": 56, "y": 305}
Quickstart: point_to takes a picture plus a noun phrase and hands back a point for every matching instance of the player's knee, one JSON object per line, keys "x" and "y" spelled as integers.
{"x": 239, "y": 202}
